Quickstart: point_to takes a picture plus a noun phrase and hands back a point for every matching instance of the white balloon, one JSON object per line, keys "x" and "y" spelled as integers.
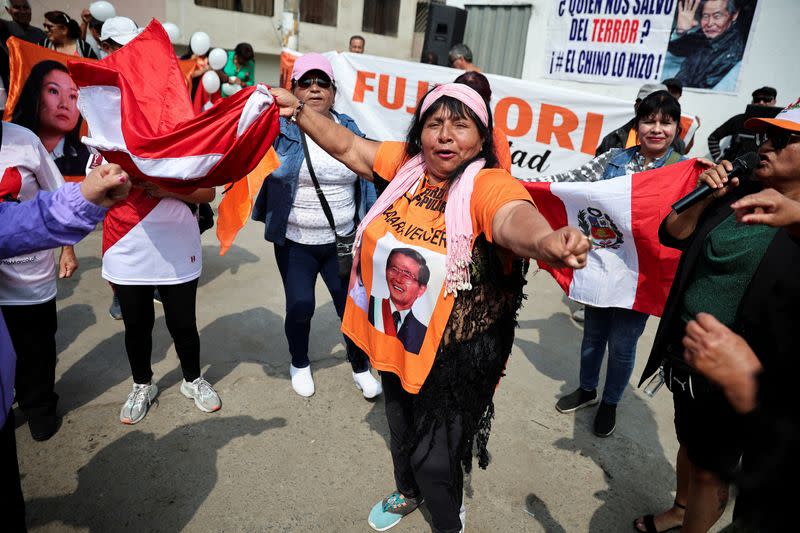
{"x": 200, "y": 42}
{"x": 217, "y": 58}
{"x": 230, "y": 88}
{"x": 173, "y": 31}
{"x": 102, "y": 10}
{"x": 211, "y": 82}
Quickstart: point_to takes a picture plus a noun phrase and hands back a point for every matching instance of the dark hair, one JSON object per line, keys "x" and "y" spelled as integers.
{"x": 429, "y": 57}
{"x": 460, "y": 50}
{"x": 478, "y": 82}
{"x": 95, "y": 24}
{"x": 730, "y": 7}
{"x": 424, "y": 272}
{"x": 59, "y": 17}
{"x": 360, "y": 38}
{"x": 454, "y": 108}
{"x": 674, "y": 84}
{"x": 244, "y": 51}
{"x": 765, "y": 91}
{"x": 659, "y": 103}
{"x": 26, "y": 112}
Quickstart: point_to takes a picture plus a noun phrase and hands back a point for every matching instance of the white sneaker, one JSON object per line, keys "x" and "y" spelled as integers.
{"x": 138, "y": 402}
{"x": 302, "y": 382}
{"x": 367, "y": 384}
{"x": 579, "y": 314}
{"x": 205, "y": 397}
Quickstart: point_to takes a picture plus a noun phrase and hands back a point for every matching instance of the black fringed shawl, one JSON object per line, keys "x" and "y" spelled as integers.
{"x": 472, "y": 356}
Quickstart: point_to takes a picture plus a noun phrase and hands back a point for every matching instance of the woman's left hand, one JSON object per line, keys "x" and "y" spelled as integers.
{"x": 565, "y": 247}
{"x": 67, "y": 262}
{"x": 286, "y": 101}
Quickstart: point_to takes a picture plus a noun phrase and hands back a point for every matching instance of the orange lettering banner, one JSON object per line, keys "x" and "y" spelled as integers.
{"x": 549, "y": 129}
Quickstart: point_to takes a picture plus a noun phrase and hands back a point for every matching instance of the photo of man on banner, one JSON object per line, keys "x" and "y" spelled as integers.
{"x": 708, "y": 42}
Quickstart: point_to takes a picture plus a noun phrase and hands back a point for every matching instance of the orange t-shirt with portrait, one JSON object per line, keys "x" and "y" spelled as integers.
{"x": 396, "y": 309}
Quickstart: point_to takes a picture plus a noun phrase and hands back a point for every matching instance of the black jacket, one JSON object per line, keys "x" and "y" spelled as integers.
{"x": 769, "y": 311}
{"x": 743, "y": 140}
{"x": 706, "y": 61}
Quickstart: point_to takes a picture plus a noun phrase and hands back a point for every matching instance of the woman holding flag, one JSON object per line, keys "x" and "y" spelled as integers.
{"x": 437, "y": 256}
{"x": 657, "y": 123}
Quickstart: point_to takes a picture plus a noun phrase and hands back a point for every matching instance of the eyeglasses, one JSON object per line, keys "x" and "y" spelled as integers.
{"x": 404, "y": 275}
{"x": 762, "y": 99}
{"x": 322, "y": 83}
{"x": 780, "y": 138}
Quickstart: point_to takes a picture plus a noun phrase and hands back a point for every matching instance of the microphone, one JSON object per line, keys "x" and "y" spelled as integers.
{"x": 742, "y": 166}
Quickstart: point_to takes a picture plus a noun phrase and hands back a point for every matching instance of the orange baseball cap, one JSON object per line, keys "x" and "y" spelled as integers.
{"x": 788, "y": 119}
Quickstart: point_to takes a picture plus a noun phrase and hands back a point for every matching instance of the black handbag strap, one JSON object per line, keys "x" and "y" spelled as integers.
{"x": 325, "y": 207}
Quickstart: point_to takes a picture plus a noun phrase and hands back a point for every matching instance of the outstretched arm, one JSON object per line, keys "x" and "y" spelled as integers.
{"x": 354, "y": 152}
{"x": 520, "y": 227}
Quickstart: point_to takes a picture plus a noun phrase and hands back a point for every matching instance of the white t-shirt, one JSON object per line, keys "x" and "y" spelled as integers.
{"x": 150, "y": 241}
{"x": 26, "y": 169}
{"x": 307, "y": 223}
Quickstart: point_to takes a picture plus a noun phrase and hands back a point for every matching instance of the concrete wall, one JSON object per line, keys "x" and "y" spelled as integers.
{"x": 139, "y": 10}
{"x": 767, "y": 62}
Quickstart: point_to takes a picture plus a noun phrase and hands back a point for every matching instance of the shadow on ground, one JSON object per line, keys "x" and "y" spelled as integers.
{"x": 168, "y": 485}
{"x": 636, "y": 469}
{"x": 254, "y": 335}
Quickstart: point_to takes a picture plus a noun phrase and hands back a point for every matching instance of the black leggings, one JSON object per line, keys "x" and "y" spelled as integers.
{"x": 33, "y": 334}
{"x": 138, "y": 314}
{"x": 427, "y": 471}
{"x": 13, "y": 514}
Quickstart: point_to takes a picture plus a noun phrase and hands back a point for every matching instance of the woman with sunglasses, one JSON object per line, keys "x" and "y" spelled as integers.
{"x": 741, "y": 275}
{"x": 64, "y": 35}
{"x": 304, "y": 242}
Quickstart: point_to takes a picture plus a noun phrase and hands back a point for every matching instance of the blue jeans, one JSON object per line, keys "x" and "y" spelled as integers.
{"x": 299, "y": 265}
{"x": 620, "y": 329}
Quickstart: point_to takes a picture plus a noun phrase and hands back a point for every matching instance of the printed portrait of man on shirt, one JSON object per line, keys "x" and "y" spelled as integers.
{"x": 407, "y": 278}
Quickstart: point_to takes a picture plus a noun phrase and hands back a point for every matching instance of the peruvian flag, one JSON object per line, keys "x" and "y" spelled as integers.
{"x": 140, "y": 116}
{"x": 627, "y": 267}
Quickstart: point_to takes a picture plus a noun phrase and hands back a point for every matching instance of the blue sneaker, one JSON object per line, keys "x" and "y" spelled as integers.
{"x": 387, "y": 513}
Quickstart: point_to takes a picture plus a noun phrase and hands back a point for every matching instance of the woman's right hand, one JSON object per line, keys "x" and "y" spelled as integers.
{"x": 717, "y": 178}
{"x": 106, "y": 185}
{"x": 286, "y": 101}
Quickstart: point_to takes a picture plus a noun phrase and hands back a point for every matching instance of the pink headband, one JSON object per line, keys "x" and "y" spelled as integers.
{"x": 463, "y": 93}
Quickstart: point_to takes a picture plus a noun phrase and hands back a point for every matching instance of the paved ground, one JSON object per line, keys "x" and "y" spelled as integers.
{"x": 272, "y": 461}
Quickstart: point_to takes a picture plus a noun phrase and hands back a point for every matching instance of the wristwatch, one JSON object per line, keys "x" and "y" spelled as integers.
{"x": 297, "y": 111}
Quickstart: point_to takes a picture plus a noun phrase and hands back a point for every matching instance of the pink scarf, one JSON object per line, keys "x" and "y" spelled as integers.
{"x": 457, "y": 214}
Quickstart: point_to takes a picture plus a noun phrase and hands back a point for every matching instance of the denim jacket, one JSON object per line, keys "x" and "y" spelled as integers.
{"x": 276, "y": 197}
{"x": 618, "y": 163}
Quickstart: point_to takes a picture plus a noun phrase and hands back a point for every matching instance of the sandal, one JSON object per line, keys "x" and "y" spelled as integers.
{"x": 649, "y": 522}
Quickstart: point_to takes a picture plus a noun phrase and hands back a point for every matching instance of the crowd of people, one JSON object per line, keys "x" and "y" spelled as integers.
{"x": 434, "y": 314}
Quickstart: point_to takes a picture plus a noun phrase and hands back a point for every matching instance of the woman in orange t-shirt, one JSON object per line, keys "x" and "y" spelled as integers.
{"x": 436, "y": 285}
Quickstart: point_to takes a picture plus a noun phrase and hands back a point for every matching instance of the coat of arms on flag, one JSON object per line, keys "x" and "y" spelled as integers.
{"x": 600, "y": 227}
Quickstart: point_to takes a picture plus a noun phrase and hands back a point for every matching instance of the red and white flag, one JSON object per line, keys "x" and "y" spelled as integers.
{"x": 140, "y": 116}
{"x": 627, "y": 266}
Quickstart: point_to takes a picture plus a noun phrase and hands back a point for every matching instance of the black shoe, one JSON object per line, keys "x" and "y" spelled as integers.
{"x": 606, "y": 420}
{"x": 44, "y": 427}
{"x": 576, "y": 400}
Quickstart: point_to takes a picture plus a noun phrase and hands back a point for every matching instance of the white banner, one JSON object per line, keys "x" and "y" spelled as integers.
{"x": 610, "y": 42}
{"x": 550, "y": 130}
